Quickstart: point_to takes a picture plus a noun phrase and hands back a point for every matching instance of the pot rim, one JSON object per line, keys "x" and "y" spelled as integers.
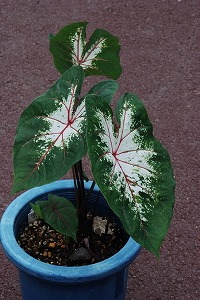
{"x": 46, "y": 271}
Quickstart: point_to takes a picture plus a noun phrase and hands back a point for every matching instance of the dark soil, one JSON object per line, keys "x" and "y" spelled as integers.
{"x": 42, "y": 242}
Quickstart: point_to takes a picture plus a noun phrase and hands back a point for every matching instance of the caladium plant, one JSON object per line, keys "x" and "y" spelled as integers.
{"x": 60, "y": 127}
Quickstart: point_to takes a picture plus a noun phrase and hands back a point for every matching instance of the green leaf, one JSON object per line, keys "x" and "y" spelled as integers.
{"x": 37, "y": 210}
{"x": 60, "y": 214}
{"x": 50, "y": 135}
{"x": 131, "y": 168}
{"x": 98, "y": 56}
{"x": 105, "y": 89}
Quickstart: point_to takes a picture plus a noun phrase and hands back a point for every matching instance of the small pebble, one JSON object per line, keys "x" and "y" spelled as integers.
{"x": 52, "y": 245}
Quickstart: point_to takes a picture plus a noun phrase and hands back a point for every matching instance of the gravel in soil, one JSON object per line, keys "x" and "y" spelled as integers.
{"x": 42, "y": 242}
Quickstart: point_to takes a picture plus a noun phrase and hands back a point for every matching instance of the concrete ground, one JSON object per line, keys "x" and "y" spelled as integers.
{"x": 161, "y": 63}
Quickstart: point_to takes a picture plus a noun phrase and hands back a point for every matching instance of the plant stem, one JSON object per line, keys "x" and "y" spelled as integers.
{"x": 81, "y": 203}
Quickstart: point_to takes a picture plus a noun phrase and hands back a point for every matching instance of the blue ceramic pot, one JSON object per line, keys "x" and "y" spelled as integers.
{"x": 105, "y": 280}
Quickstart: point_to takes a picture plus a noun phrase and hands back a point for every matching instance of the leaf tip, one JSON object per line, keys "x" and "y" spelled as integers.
{"x": 50, "y": 35}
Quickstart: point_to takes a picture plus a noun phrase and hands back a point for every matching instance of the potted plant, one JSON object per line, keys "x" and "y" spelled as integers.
{"x": 129, "y": 165}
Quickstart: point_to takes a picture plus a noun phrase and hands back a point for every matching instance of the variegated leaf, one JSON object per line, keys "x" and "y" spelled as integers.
{"x": 50, "y": 136}
{"x": 51, "y": 131}
{"x": 131, "y": 168}
{"x": 98, "y": 56}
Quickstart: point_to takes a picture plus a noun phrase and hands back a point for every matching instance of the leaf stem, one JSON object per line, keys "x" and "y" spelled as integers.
{"x": 81, "y": 203}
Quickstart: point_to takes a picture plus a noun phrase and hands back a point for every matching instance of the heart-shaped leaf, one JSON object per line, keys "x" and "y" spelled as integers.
{"x": 131, "y": 168}
{"x": 59, "y": 213}
{"x": 50, "y": 136}
{"x": 51, "y": 132}
{"x": 98, "y": 56}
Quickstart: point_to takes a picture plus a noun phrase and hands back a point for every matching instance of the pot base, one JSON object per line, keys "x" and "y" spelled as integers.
{"x": 109, "y": 288}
